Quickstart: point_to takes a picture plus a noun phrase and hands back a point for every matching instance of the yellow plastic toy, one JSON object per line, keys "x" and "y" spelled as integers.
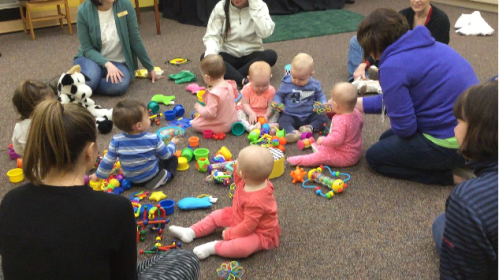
{"x": 279, "y": 161}
{"x": 97, "y": 186}
{"x": 16, "y": 175}
{"x": 142, "y": 73}
{"x": 224, "y": 151}
{"x": 157, "y": 196}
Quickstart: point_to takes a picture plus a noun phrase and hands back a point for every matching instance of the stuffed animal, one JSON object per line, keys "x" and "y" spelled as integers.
{"x": 71, "y": 88}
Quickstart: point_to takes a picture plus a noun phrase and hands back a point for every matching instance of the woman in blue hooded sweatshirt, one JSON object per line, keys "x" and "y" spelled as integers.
{"x": 421, "y": 79}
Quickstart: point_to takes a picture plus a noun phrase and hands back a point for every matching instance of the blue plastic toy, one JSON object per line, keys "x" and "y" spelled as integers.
{"x": 181, "y": 122}
{"x": 200, "y": 202}
{"x": 336, "y": 185}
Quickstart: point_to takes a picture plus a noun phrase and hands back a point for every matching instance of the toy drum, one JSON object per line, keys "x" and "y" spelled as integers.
{"x": 278, "y": 169}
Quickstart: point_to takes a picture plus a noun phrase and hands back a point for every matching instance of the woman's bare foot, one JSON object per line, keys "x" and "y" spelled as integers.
{"x": 458, "y": 179}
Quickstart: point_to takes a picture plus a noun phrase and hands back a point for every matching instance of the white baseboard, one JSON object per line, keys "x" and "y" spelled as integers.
{"x": 488, "y": 7}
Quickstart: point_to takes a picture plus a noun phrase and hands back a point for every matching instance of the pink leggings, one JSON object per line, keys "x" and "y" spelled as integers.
{"x": 235, "y": 248}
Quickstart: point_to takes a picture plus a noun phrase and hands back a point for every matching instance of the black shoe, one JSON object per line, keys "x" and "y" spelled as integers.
{"x": 349, "y": 1}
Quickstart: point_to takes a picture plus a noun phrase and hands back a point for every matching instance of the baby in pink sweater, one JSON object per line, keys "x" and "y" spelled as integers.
{"x": 251, "y": 223}
{"x": 219, "y": 110}
{"x": 343, "y": 145}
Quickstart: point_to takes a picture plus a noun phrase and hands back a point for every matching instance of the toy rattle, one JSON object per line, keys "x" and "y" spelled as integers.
{"x": 336, "y": 185}
{"x": 177, "y": 61}
{"x": 305, "y": 143}
{"x": 320, "y": 108}
{"x": 230, "y": 271}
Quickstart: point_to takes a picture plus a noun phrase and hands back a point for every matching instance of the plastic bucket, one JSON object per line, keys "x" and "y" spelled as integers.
{"x": 237, "y": 128}
{"x": 169, "y": 115}
{"x": 187, "y": 153}
{"x": 183, "y": 164}
{"x": 200, "y": 95}
{"x": 207, "y": 134}
{"x": 201, "y": 152}
{"x": 168, "y": 205}
{"x": 153, "y": 106}
{"x": 179, "y": 110}
{"x": 16, "y": 175}
{"x": 194, "y": 141}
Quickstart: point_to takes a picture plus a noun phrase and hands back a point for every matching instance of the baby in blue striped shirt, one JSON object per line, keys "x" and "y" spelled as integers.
{"x": 145, "y": 159}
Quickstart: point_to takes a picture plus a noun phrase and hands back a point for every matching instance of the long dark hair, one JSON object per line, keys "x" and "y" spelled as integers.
{"x": 227, "y": 19}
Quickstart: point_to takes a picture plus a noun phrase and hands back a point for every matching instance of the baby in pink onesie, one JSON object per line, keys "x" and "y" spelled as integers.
{"x": 343, "y": 145}
{"x": 256, "y": 97}
{"x": 219, "y": 112}
{"x": 251, "y": 224}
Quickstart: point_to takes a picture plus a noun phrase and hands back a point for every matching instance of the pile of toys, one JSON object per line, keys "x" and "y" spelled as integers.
{"x": 316, "y": 175}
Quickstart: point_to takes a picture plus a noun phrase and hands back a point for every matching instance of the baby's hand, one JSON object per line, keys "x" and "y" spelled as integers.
{"x": 252, "y": 118}
{"x": 319, "y": 140}
{"x": 197, "y": 107}
{"x": 223, "y": 233}
{"x": 94, "y": 178}
{"x": 174, "y": 140}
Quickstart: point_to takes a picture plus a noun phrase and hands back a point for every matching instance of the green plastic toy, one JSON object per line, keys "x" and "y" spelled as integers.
{"x": 183, "y": 77}
{"x": 165, "y": 99}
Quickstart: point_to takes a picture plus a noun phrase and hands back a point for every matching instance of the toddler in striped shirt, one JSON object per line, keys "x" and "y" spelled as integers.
{"x": 145, "y": 159}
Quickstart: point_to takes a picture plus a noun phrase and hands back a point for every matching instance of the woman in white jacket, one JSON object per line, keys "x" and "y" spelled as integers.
{"x": 235, "y": 31}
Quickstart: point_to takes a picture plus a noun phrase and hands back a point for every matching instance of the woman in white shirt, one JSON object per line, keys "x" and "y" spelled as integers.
{"x": 235, "y": 31}
{"x": 110, "y": 44}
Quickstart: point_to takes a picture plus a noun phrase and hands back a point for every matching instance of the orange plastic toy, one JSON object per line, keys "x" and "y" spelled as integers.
{"x": 262, "y": 120}
{"x": 298, "y": 174}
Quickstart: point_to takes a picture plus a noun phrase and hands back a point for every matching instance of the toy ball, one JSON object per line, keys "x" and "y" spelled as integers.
{"x": 114, "y": 182}
{"x": 125, "y": 184}
{"x": 254, "y": 135}
{"x": 119, "y": 177}
{"x": 338, "y": 186}
{"x": 266, "y": 126}
{"x": 272, "y": 131}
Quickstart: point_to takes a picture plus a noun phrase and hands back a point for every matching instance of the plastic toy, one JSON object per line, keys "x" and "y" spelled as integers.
{"x": 177, "y": 61}
{"x": 230, "y": 271}
{"x": 224, "y": 151}
{"x": 16, "y": 175}
{"x": 157, "y": 196}
{"x": 254, "y": 135}
{"x": 232, "y": 190}
{"x": 238, "y": 98}
{"x": 96, "y": 186}
{"x": 142, "y": 73}
{"x": 125, "y": 184}
{"x": 179, "y": 110}
{"x": 266, "y": 126}
{"x": 167, "y": 133}
{"x": 305, "y": 143}
{"x": 169, "y": 115}
{"x": 298, "y": 174}
{"x": 12, "y": 153}
{"x": 277, "y": 107}
{"x": 207, "y": 134}
{"x": 19, "y": 163}
{"x": 202, "y": 164}
{"x": 219, "y": 136}
{"x": 287, "y": 69}
{"x": 268, "y": 141}
{"x": 279, "y": 161}
{"x": 218, "y": 158}
{"x": 195, "y": 114}
{"x": 86, "y": 180}
{"x": 200, "y": 94}
{"x": 324, "y": 131}
{"x": 154, "y": 118}
{"x": 201, "y": 153}
{"x": 272, "y": 131}
{"x": 227, "y": 167}
{"x": 201, "y": 202}
{"x": 280, "y": 133}
{"x": 306, "y": 135}
{"x": 183, "y": 164}
{"x": 181, "y": 122}
{"x": 194, "y": 88}
{"x": 336, "y": 185}
{"x": 237, "y": 128}
{"x": 153, "y": 107}
{"x": 158, "y": 248}
{"x": 194, "y": 141}
{"x": 262, "y": 120}
{"x": 219, "y": 177}
{"x": 155, "y": 219}
{"x": 187, "y": 153}
{"x": 320, "y": 108}
{"x": 165, "y": 99}
{"x": 168, "y": 205}
{"x": 184, "y": 76}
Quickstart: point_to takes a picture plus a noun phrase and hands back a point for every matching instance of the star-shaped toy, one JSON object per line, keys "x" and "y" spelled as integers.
{"x": 157, "y": 196}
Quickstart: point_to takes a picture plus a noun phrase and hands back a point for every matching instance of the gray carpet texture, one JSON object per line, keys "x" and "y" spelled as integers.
{"x": 379, "y": 228}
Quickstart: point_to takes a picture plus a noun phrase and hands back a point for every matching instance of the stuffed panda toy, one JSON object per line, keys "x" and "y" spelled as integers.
{"x": 71, "y": 88}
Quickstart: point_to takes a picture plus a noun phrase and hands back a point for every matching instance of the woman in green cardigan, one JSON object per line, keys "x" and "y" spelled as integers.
{"x": 110, "y": 44}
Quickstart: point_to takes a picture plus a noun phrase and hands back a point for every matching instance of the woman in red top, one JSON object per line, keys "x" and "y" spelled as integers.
{"x": 251, "y": 224}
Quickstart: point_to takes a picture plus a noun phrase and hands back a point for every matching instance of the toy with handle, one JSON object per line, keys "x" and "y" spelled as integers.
{"x": 336, "y": 185}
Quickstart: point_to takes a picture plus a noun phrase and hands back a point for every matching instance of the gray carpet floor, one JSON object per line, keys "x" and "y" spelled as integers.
{"x": 380, "y": 228}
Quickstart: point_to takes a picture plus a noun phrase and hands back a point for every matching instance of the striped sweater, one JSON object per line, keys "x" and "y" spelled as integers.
{"x": 469, "y": 244}
{"x": 138, "y": 155}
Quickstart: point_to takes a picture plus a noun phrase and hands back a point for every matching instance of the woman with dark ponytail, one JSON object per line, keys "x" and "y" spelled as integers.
{"x": 56, "y": 227}
{"x": 235, "y": 31}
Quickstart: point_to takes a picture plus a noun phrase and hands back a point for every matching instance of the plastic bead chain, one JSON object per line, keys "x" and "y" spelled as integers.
{"x": 277, "y": 107}
{"x": 230, "y": 271}
{"x": 336, "y": 185}
{"x": 232, "y": 190}
{"x": 320, "y": 108}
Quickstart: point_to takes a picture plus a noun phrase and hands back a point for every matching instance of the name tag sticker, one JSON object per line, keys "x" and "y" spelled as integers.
{"x": 122, "y": 14}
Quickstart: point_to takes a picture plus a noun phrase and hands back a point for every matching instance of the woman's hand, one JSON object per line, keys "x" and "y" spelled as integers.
{"x": 152, "y": 75}
{"x": 360, "y": 72}
{"x": 113, "y": 73}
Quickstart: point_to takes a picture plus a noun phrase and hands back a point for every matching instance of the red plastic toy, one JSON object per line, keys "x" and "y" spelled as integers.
{"x": 219, "y": 136}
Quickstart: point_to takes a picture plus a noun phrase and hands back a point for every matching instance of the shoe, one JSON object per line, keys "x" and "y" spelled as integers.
{"x": 349, "y": 1}
{"x": 292, "y": 137}
{"x": 159, "y": 180}
{"x": 305, "y": 128}
{"x": 244, "y": 82}
{"x": 367, "y": 86}
{"x": 372, "y": 72}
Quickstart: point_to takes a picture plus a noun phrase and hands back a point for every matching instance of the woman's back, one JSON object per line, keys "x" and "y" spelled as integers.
{"x": 51, "y": 232}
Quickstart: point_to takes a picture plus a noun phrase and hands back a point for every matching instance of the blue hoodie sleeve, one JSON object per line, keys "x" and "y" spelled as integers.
{"x": 279, "y": 95}
{"x": 319, "y": 95}
{"x": 372, "y": 104}
{"x": 398, "y": 102}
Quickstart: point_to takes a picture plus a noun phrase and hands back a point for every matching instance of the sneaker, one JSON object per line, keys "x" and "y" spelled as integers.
{"x": 159, "y": 180}
{"x": 306, "y": 128}
{"x": 369, "y": 86}
{"x": 292, "y": 137}
{"x": 372, "y": 72}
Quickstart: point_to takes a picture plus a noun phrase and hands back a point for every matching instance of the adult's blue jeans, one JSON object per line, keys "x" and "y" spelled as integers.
{"x": 355, "y": 56}
{"x": 97, "y": 75}
{"x": 415, "y": 158}
{"x": 438, "y": 231}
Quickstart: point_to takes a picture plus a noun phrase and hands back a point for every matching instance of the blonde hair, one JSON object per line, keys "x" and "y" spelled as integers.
{"x": 57, "y": 136}
{"x": 256, "y": 162}
{"x": 260, "y": 67}
{"x": 303, "y": 61}
{"x": 344, "y": 94}
{"x": 28, "y": 95}
{"x": 213, "y": 65}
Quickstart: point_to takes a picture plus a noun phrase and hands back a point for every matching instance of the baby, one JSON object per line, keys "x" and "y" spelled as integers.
{"x": 25, "y": 99}
{"x": 251, "y": 224}
{"x": 219, "y": 110}
{"x": 256, "y": 97}
{"x": 298, "y": 92}
{"x": 343, "y": 145}
{"x": 144, "y": 158}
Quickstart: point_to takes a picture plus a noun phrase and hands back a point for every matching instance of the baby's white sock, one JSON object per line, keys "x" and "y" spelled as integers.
{"x": 205, "y": 250}
{"x": 186, "y": 234}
